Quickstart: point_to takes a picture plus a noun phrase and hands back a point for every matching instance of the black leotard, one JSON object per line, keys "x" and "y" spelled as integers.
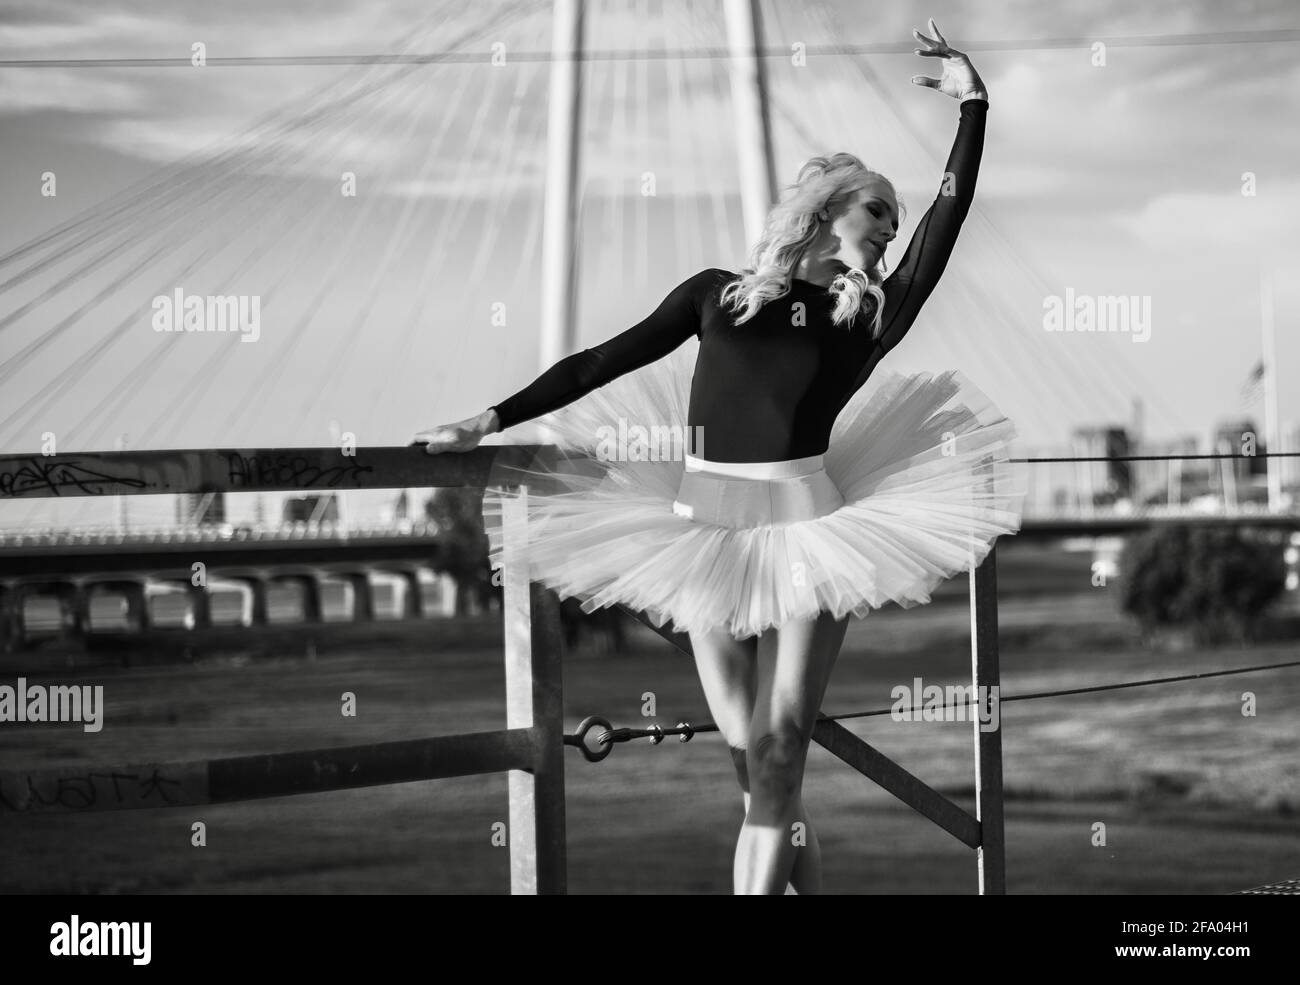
{"x": 769, "y": 390}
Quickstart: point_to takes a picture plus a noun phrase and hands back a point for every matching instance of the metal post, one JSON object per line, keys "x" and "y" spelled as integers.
{"x": 1272, "y": 433}
{"x": 123, "y": 521}
{"x": 74, "y": 609}
{"x": 559, "y": 242}
{"x": 560, "y": 235}
{"x": 750, "y": 111}
{"x": 548, "y": 727}
{"x": 533, "y": 701}
{"x": 1083, "y": 475}
{"x": 1228, "y": 469}
{"x": 991, "y": 855}
{"x": 12, "y": 632}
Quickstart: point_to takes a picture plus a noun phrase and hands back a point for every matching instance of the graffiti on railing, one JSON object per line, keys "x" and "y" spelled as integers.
{"x": 89, "y": 791}
{"x": 252, "y": 471}
{"x": 53, "y": 477}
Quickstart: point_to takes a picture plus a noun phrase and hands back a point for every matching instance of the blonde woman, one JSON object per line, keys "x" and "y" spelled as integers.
{"x": 808, "y": 499}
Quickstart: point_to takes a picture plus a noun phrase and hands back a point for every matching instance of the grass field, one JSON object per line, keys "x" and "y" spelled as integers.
{"x": 1194, "y": 796}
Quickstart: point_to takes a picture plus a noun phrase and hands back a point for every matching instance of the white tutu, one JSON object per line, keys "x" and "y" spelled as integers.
{"x": 920, "y": 461}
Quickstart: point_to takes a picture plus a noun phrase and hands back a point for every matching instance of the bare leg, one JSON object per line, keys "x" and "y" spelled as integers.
{"x": 794, "y": 666}
{"x": 728, "y": 676}
{"x": 727, "y": 669}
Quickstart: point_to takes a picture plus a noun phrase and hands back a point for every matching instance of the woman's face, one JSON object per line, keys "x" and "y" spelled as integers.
{"x": 868, "y": 221}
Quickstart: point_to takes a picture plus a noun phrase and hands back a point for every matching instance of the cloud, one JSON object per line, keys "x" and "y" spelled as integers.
{"x": 1178, "y": 222}
{"x": 66, "y": 90}
{"x": 161, "y": 113}
{"x": 100, "y": 34}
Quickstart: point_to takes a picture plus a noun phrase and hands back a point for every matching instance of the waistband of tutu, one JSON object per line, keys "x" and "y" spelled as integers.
{"x": 788, "y": 469}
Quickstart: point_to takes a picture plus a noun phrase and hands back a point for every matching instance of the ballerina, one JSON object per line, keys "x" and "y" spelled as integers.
{"x": 802, "y": 498}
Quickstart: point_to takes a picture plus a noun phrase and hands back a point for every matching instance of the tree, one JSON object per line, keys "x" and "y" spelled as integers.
{"x": 1218, "y": 580}
{"x": 462, "y": 545}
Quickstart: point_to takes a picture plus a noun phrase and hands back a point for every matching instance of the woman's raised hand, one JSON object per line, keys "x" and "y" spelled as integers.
{"x": 462, "y": 436}
{"x": 959, "y": 78}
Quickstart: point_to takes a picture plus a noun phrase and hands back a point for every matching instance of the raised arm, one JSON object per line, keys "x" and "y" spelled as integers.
{"x": 927, "y": 253}
{"x": 675, "y": 320}
{"x": 923, "y": 262}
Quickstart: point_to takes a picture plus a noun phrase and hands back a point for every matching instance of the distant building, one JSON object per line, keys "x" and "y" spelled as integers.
{"x": 1244, "y": 478}
{"x": 1172, "y": 480}
{"x": 1103, "y": 482}
{"x": 200, "y": 508}
{"x": 1231, "y": 437}
{"x": 311, "y": 509}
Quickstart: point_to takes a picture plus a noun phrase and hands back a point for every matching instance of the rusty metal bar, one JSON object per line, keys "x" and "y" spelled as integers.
{"x": 77, "y": 789}
{"x": 125, "y": 473}
{"x": 548, "y": 726}
{"x": 889, "y": 776}
{"x": 534, "y": 694}
{"x": 991, "y": 854}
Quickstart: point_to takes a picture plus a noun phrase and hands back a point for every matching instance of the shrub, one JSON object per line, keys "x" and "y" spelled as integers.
{"x": 1216, "y": 579}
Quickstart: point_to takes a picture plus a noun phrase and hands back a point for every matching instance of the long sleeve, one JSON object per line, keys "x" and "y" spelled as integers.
{"x": 912, "y": 282}
{"x": 675, "y": 320}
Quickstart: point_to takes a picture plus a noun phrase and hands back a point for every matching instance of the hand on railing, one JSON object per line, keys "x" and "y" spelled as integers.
{"x": 461, "y": 436}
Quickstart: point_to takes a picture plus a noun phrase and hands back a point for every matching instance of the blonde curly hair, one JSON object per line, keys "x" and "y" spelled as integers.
{"x": 824, "y": 183}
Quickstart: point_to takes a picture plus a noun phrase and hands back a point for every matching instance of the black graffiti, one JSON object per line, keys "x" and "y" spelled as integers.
{"x": 52, "y": 477}
{"x": 80, "y": 793}
{"x": 155, "y": 785}
{"x": 283, "y": 470}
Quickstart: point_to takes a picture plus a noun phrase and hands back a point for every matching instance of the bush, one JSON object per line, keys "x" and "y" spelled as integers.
{"x": 1217, "y": 580}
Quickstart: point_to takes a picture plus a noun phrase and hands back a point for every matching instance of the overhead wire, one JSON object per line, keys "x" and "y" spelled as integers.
{"x": 1267, "y": 36}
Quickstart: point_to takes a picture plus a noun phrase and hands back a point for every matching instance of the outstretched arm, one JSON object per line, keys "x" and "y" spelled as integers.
{"x": 675, "y": 320}
{"x": 912, "y": 282}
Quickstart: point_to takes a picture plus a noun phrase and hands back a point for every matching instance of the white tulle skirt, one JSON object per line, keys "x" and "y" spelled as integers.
{"x": 914, "y": 488}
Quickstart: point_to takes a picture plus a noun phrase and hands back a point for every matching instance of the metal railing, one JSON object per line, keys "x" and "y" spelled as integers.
{"x": 530, "y": 748}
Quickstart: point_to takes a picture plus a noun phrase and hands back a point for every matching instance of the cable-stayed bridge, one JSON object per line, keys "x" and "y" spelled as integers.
{"x": 371, "y": 254}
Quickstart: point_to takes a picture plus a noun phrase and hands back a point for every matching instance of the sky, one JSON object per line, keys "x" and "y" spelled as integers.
{"x": 1114, "y": 171}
